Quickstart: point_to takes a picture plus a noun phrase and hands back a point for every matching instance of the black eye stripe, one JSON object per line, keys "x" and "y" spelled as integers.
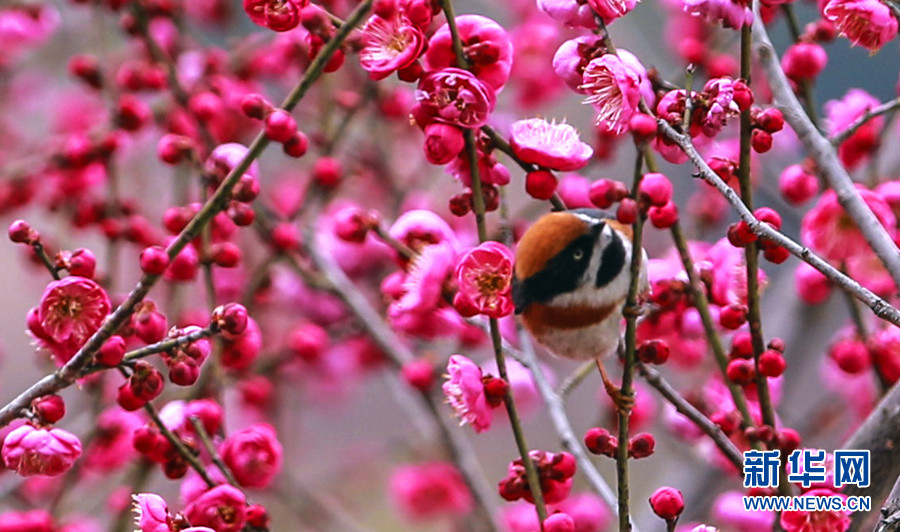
{"x": 612, "y": 261}
{"x": 561, "y": 274}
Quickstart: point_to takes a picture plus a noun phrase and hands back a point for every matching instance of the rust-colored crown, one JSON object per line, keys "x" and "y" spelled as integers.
{"x": 545, "y": 239}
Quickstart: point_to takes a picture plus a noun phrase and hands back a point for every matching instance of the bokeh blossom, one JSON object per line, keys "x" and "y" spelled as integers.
{"x": 429, "y": 490}
{"x": 829, "y": 230}
{"x": 464, "y": 390}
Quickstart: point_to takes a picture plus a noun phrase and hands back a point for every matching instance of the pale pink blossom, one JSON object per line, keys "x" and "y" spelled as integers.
{"x": 277, "y": 15}
{"x": 390, "y": 45}
{"x": 454, "y": 96}
{"x": 571, "y": 13}
{"x": 573, "y": 55}
{"x": 486, "y": 46}
{"x": 36, "y": 451}
{"x": 868, "y": 23}
{"x": 548, "y": 144}
{"x": 222, "y": 508}
{"x": 151, "y": 513}
{"x": 721, "y": 106}
{"x": 484, "y": 277}
{"x": 821, "y": 521}
{"x": 731, "y": 13}
{"x": 424, "y": 281}
{"x": 829, "y": 230}
{"x": 464, "y": 390}
{"x": 613, "y": 88}
{"x": 610, "y": 10}
{"x": 253, "y": 455}
{"x": 419, "y": 228}
{"x": 430, "y": 490}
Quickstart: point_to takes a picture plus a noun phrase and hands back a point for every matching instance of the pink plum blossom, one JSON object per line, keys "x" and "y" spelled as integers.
{"x": 222, "y": 508}
{"x": 816, "y": 521}
{"x": 36, "y": 451}
{"x": 70, "y": 311}
{"x": 253, "y": 455}
{"x": 454, "y": 96}
{"x": 151, "y": 513}
{"x": 548, "y": 144}
{"x": 390, "y": 44}
{"x": 486, "y": 46}
{"x": 868, "y": 23}
{"x": 829, "y": 230}
{"x": 484, "y": 277}
{"x": 731, "y": 13}
{"x": 840, "y": 114}
{"x": 465, "y": 393}
{"x": 610, "y": 10}
{"x": 571, "y": 13}
{"x": 613, "y": 88}
{"x": 429, "y": 490}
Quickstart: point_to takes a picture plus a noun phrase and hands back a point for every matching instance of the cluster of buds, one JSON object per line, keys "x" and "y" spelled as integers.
{"x": 785, "y": 439}
{"x": 599, "y": 441}
{"x": 280, "y": 125}
{"x": 742, "y": 369}
{"x": 654, "y": 199}
{"x": 555, "y": 472}
{"x": 653, "y": 352}
{"x": 765, "y": 123}
{"x": 739, "y": 235}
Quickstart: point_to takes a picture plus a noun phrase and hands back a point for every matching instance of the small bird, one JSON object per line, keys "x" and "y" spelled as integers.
{"x": 571, "y": 279}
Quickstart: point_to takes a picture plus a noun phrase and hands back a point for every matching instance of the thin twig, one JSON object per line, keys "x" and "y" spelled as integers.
{"x": 689, "y": 411}
{"x": 823, "y": 153}
{"x": 879, "y": 306}
{"x": 573, "y": 380}
{"x": 838, "y": 138}
{"x": 211, "y": 450}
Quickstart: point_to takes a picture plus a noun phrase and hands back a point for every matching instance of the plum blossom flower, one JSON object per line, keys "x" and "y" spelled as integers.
{"x": 419, "y": 228}
{"x": 424, "y": 280}
{"x": 613, "y": 88}
{"x": 484, "y": 276}
{"x": 277, "y": 15}
{"x": 151, "y": 513}
{"x": 731, "y": 13}
{"x": 868, "y": 23}
{"x": 548, "y": 144}
{"x": 571, "y": 13}
{"x": 610, "y": 10}
{"x": 464, "y": 389}
{"x": 840, "y": 114}
{"x": 70, "y": 311}
{"x": 390, "y": 44}
{"x": 817, "y": 521}
{"x": 253, "y": 455}
{"x": 222, "y": 508}
{"x": 112, "y": 447}
{"x": 829, "y": 230}
{"x": 430, "y": 490}
{"x": 36, "y": 451}
{"x": 454, "y": 96}
{"x": 722, "y": 105}
{"x": 486, "y": 46}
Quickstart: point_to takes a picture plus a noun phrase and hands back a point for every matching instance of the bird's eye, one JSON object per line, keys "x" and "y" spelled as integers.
{"x": 578, "y": 254}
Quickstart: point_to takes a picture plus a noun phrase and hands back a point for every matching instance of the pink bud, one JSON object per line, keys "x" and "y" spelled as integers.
{"x": 655, "y": 189}
{"x": 663, "y": 217}
{"x": 50, "y": 408}
{"x": 154, "y": 260}
{"x": 112, "y": 351}
{"x": 851, "y": 355}
{"x": 284, "y": 237}
{"x": 769, "y": 216}
{"x": 776, "y": 254}
{"x": 740, "y": 371}
{"x": 796, "y": 185}
{"x": 741, "y": 345}
{"x": 255, "y": 106}
{"x": 771, "y": 364}
{"x": 770, "y": 120}
{"x": 297, "y": 145}
{"x": 667, "y": 503}
{"x": 627, "y": 212}
{"x": 146, "y": 382}
{"x": 643, "y": 127}
{"x": 21, "y": 232}
{"x": 654, "y": 352}
{"x": 733, "y": 316}
{"x": 150, "y": 326}
{"x": 231, "y": 318}
{"x": 443, "y": 143}
{"x": 787, "y": 440}
{"x": 605, "y": 192}
{"x": 600, "y": 441}
{"x": 280, "y": 126}
{"x": 353, "y": 223}
{"x": 82, "y": 263}
{"x": 184, "y": 266}
{"x": 559, "y": 522}
{"x": 641, "y": 445}
{"x": 246, "y": 189}
{"x": 172, "y": 148}
{"x": 803, "y": 61}
{"x": 540, "y": 184}
{"x": 812, "y": 286}
{"x": 761, "y": 141}
{"x": 225, "y": 254}
{"x": 327, "y": 172}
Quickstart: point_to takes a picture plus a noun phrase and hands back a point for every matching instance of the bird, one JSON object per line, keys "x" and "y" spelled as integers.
{"x": 571, "y": 278}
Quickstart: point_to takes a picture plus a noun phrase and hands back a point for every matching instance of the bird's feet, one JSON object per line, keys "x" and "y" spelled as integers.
{"x": 624, "y": 403}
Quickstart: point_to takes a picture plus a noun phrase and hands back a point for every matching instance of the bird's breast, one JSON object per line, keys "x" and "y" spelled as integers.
{"x": 578, "y": 331}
